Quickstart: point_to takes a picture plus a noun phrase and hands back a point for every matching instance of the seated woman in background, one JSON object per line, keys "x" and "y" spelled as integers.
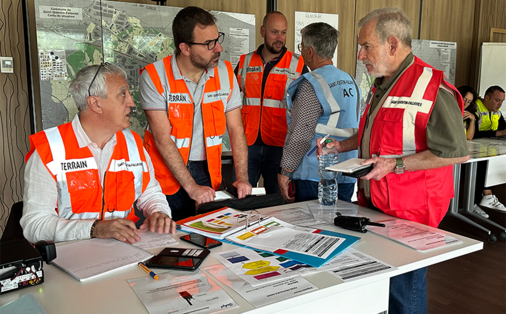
{"x": 469, "y": 96}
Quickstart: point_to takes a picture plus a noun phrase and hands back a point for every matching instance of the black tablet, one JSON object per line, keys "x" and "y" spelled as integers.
{"x": 178, "y": 258}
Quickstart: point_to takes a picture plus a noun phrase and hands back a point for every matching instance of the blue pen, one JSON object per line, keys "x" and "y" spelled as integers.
{"x": 321, "y": 142}
{"x": 147, "y": 270}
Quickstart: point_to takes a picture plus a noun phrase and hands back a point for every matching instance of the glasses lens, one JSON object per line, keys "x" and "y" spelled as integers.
{"x": 212, "y": 43}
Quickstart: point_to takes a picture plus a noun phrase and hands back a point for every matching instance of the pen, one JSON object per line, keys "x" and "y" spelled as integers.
{"x": 321, "y": 142}
{"x": 147, "y": 270}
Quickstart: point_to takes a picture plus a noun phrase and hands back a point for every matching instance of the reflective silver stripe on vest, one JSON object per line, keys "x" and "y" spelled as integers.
{"x": 334, "y": 106}
{"x": 412, "y": 105}
{"x": 116, "y": 214}
{"x": 57, "y": 168}
{"x": 213, "y": 141}
{"x": 135, "y": 164}
{"x": 225, "y": 89}
{"x": 181, "y": 142}
{"x": 273, "y": 103}
{"x": 70, "y": 215}
{"x": 245, "y": 67}
{"x": 326, "y": 129}
{"x": 252, "y": 101}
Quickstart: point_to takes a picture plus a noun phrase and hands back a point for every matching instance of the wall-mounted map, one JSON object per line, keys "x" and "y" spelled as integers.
{"x": 72, "y": 34}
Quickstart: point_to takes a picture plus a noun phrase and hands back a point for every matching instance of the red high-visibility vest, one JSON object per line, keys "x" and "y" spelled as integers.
{"x": 399, "y": 129}
{"x": 75, "y": 171}
{"x": 180, "y": 109}
{"x": 267, "y": 113}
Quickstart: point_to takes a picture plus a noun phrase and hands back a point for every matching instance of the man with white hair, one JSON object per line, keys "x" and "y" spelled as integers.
{"x": 82, "y": 178}
{"x": 411, "y": 131}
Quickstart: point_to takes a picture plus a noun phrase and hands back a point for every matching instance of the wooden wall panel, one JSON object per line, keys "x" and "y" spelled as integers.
{"x": 451, "y": 20}
{"x": 346, "y": 53}
{"x": 14, "y": 109}
{"x": 488, "y": 14}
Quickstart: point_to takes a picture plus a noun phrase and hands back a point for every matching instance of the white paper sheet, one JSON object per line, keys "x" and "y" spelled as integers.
{"x": 264, "y": 294}
{"x": 347, "y": 166}
{"x": 181, "y": 292}
{"x": 414, "y": 235}
{"x": 88, "y": 259}
{"x": 352, "y": 265}
{"x": 153, "y": 240}
{"x": 296, "y": 216}
{"x": 259, "y": 268}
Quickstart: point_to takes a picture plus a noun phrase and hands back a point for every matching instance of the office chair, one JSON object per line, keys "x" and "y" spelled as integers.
{"x": 13, "y": 229}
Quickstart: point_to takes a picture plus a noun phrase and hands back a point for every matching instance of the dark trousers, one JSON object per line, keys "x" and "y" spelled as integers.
{"x": 264, "y": 160}
{"x": 181, "y": 204}
{"x": 306, "y": 190}
{"x": 408, "y": 292}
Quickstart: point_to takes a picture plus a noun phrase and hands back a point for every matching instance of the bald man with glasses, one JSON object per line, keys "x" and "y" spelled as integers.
{"x": 190, "y": 98}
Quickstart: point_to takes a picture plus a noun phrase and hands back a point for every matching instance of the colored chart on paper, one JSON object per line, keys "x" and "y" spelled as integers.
{"x": 257, "y": 267}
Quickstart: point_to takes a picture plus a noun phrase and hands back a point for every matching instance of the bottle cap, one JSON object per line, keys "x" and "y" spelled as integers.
{"x": 328, "y": 140}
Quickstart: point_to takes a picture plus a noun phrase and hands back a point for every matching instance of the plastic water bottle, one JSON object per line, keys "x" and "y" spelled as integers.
{"x": 327, "y": 188}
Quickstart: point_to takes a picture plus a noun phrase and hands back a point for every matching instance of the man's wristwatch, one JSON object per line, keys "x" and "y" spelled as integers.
{"x": 399, "y": 168}
{"x": 285, "y": 173}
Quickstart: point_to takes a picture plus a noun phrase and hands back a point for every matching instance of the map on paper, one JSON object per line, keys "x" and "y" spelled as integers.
{"x": 77, "y": 33}
{"x": 442, "y": 55}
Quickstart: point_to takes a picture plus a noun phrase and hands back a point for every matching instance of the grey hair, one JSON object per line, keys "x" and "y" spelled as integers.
{"x": 391, "y": 21}
{"x": 80, "y": 84}
{"x": 322, "y": 38}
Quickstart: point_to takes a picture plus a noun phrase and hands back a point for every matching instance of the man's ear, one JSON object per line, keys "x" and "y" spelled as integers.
{"x": 262, "y": 31}
{"x": 394, "y": 44}
{"x": 185, "y": 49}
{"x": 94, "y": 104}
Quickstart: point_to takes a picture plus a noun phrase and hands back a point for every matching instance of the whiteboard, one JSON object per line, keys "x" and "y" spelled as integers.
{"x": 492, "y": 66}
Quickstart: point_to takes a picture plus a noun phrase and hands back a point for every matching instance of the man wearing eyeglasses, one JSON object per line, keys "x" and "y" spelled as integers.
{"x": 190, "y": 98}
{"x": 264, "y": 76}
{"x": 82, "y": 178}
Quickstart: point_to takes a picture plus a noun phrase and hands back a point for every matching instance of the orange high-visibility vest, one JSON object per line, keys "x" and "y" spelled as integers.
{"x": 399, "y": 129}
{"x": 267, "y": 113}
{"x": 180, "y": 106}
{"x": 81, "y": 195}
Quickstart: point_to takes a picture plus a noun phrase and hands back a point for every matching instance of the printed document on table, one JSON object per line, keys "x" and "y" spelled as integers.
{"x": 181, "y": 292}
{"x": 153, "y": 240}
{"x": 296, "y": 216}
{"x": 108, "y": 255}
{"x": 417, "y": 236}
{"x": 258, "y": 267}
{"x": 327, "y": 213}
{"x": 310, "y": 246}
{"x": 265, "y": 294}
{"x": 352, "y": 265}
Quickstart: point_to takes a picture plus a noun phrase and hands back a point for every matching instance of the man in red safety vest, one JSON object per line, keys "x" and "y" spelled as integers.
{"x": 411, "y": 131}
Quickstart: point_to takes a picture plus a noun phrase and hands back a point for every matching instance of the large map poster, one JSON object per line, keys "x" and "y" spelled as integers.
{"x": 72, "y": 34}
{"x": 442, "y": 55}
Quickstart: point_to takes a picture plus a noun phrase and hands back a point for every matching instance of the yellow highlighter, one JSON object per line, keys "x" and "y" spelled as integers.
{"x": 147, "y": 270}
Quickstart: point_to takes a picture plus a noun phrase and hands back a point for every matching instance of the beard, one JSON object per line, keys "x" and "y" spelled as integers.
{"x": 201, "y": 63}
{"x": 273, "y": 50}
{"x": 380, "y": 68}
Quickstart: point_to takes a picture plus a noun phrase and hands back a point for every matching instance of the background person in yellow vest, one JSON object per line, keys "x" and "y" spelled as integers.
{"x": 264, "y": 76}
{"x": 190, "y": 98}
{"x": 490, "y": 123}
{"x": 411, "y": 131}
{"x": 93, "y": 169}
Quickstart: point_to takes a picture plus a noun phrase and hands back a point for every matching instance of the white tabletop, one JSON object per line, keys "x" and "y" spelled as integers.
{"x": 60, "y": 293}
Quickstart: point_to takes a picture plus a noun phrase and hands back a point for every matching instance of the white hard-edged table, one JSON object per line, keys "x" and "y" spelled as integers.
{"x": 61, "y": 293}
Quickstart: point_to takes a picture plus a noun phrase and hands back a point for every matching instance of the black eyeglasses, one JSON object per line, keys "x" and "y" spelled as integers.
{"x": 103, "y": 64}
{"x": 212, "y": 43}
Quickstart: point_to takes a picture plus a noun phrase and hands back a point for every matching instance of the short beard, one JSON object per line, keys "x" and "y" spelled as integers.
{"x": 199, "y": 62}
{"x": 271, "y": 49}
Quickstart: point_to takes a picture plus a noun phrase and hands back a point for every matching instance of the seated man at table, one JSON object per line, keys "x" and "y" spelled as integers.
{"x": 82, "y": 178}
{"x": 490, "y": 123}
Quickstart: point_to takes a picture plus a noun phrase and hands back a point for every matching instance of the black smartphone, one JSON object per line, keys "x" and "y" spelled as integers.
{"x": 178, "y": 258}
{"x": 200, "y": 240}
